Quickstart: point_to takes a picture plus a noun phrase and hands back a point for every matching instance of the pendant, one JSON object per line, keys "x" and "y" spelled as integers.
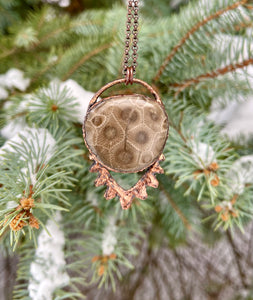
{"x": 126, "y": 134}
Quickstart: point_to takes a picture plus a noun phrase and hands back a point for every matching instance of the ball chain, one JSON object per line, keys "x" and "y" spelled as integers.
{"x": 131, "y": 37}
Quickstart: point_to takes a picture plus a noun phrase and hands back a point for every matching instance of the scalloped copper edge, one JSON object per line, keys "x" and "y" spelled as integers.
{"x": 126, "y": 196}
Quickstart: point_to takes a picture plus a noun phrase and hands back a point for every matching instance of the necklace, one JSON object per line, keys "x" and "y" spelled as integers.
{"x": 126, "y": 133}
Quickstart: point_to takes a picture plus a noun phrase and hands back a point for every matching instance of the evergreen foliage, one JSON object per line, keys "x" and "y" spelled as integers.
{"x": 192, "y": 56}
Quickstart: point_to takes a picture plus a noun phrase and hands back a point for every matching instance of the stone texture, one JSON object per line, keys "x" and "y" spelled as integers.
{"x": 127, "y": 133}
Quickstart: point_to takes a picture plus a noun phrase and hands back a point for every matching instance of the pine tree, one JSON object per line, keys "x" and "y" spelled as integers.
{"x": 67, "y": 237}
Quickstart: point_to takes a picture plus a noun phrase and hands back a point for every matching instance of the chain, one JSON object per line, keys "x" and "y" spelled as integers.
{"x": 130, "y": 65}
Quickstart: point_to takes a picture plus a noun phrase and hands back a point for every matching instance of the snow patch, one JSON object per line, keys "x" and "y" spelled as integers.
{"x": 3, "y": 93}
{"x": 82, "y": 97}
{"x": 241, "y": 121}
{"x": 11, "y": 204}
{"x": 47, "y": 270}
{"x": 14, "y": 78}
{"x": 30, "y": 173}
{"x": 40, "y": 139}
{"x": 109, "y": 237}
{"x": 240, "y": 174}
{"x": 13, "y": 128}
{"x": 18, "y": 124}
{"x": 61, "y": 3}
{"x": 203, "y": 154}
{"x": 236, "y": 116}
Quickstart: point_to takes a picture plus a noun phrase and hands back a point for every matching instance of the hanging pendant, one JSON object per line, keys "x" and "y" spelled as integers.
{"x": 126, "y": 134}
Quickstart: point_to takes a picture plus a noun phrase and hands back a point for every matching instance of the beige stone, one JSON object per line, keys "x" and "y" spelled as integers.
{"x": 127, "y": 133}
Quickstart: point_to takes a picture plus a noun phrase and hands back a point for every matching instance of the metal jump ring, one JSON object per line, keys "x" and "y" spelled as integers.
{"x": 129, "y": 75}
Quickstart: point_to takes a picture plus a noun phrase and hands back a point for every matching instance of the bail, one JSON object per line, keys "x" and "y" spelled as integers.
{"x": 129, "y": 75}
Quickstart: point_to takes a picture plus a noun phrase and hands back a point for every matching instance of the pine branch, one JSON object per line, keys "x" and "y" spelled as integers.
{"x": 176, "y": 208}
{"x": 34, "y": 173}
{"x": 85, "y": 58}
{"x": 192, "y": 31}
{"x": 205, "y": 40}
{"x": 213, "y": 74}
{"x": 248, "y": 6}
{"x": 71, "y": 26}
{"x": 52, "y": 34}
{"x": 8, "y": 53}
{"x": 44, "y": 70}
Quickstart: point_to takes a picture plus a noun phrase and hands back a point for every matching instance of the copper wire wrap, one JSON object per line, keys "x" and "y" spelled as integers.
{"x": 132, "y": 24}
{"x": 129, "y": 75}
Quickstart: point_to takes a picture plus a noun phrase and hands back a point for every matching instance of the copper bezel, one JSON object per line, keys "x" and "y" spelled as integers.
{"x": 95, "y": 102}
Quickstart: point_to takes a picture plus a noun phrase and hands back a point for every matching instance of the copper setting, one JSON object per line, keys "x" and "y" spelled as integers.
{"x": 104, "y": 178}
{"x": 120, "y": 81}
{"x": 126, "y": 196}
